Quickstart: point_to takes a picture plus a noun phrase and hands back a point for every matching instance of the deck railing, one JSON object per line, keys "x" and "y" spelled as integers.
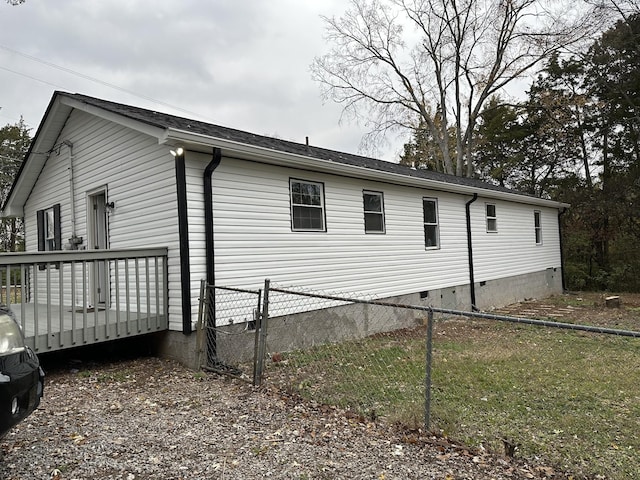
{"x": 73, "y": 298}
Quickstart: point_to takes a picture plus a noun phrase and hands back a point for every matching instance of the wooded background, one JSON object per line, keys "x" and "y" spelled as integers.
{"x": 575, "y": 139}
{"x": 446, "y": 71}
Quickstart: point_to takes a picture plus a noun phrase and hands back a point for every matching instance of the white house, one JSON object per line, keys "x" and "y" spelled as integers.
{"x": 236, "y": 208}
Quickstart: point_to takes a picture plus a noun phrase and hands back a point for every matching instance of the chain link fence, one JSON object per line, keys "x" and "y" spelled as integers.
{"x": 535, "y": 382}
{"x": 353, "y": 352}
{"x": 230, "y": 331}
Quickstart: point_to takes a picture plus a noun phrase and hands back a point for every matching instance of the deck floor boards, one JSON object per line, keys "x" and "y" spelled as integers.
{"x": 58, "y": 328}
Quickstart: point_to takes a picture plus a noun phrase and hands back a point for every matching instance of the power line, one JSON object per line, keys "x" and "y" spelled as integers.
{"x": 29, "y": 76}
{"x": 86, "y": 77}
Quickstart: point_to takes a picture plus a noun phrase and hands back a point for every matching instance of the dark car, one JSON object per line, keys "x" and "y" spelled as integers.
{"x": 21, "y": 377}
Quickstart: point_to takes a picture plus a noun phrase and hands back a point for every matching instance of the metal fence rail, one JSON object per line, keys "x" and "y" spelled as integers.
{"x": 561, "y": 392}
{"x": 541, "y": 323}
{"x": 74, "y": 298}
{"x": 424, "y": 325}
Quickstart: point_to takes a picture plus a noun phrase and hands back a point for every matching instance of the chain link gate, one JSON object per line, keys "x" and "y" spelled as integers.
{"x": 225, "y": 317}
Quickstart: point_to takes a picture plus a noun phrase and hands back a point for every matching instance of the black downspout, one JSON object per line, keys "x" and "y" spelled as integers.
{"x": 212, "y": 348}
{"x": 208, "y": 214}
{"x": 472, "y": 284}
{"x": 183, "y": 234}
{"x": 562, "y": 212}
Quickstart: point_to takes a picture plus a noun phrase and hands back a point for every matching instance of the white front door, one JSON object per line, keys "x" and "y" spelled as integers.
{"x": 98, "y": 240}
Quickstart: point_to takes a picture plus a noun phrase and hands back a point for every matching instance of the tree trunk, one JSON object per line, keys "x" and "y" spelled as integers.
{"x": 585, "y": 156}
{"x": 603, "y": 242}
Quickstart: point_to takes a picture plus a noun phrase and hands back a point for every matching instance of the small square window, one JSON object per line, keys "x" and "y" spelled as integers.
{"x": 430, "y": 220}
{"x": 492, "y": 219}
{"x": 373, "y": 212}
{"x": 307, "y": 206}
{"x": 537, "y": 226}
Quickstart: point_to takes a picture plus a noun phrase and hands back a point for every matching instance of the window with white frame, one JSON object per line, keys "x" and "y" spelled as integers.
{"x": 49, "y": 229}
{"x": 537, "y": 225}
{"x": 492, "y": 219}
{"x": 430, "y": 218}
{"x": 373, "y": 212}
{"x": 307, "y": 206}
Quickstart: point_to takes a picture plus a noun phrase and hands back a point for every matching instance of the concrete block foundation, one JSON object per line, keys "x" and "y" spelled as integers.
{"x": 236, "y": 343}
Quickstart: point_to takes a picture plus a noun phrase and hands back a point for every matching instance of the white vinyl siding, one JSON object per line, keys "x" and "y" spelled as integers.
{"x": 140, "y": 177}
{"x": 254, "y": 240}
{"x": 195, "y": 164}
{"x": 514, "y": 250}
{"x": 45, "y": 194}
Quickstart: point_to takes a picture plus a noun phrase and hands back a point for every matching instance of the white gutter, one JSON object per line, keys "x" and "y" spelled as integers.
{"x": 276, "y": 157}
{"x": 72, "y": 189}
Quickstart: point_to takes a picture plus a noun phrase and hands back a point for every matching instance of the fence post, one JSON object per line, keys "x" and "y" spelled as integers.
{"x": 262, "y": 336}
{"x": 429, "y": 358}
{"x": 200, "y": 328}
{"x": 257, "y": 314}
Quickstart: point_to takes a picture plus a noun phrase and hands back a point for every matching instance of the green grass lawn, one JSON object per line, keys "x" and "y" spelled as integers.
{"x": 572, "y": 399}
{"x": 569, "y": 400}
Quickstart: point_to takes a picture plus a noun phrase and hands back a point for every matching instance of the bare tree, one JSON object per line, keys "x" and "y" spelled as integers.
{"x": 398, "y": 64}
{"x": 620, "y": 8}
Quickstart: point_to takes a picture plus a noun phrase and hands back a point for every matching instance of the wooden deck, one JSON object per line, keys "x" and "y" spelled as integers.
{"x": 59, "y": 328}
{"x": 44, "y": 289}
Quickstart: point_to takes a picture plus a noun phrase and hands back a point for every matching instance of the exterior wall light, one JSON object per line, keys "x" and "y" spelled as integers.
{"x": 177, "y": 152}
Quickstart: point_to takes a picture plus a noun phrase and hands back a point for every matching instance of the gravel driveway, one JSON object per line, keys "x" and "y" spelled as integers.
{"x": 153, "y": 419}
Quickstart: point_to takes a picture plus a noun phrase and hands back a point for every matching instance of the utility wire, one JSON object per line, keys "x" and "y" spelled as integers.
{"x": 29, "y": 76}
{"x": 86, "y": 77}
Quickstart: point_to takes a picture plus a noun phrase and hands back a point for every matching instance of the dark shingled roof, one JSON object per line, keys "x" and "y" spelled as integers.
{"x": 163, "y": 120}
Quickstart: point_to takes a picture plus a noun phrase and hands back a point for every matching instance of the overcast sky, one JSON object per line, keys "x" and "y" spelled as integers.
{"x": 241, "y": 64}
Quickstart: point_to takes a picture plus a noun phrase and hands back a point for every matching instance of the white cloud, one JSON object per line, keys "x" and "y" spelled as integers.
{"x": 239, "y": 64}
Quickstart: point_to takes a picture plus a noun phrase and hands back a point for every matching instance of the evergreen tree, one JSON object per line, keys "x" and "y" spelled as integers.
{"x": 14, "y": 143}
{"x": 500, "y": 134}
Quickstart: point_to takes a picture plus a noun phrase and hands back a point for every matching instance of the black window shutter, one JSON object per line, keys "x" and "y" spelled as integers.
{"x": 41, "y": 232}
{"x": 57, "y": 227}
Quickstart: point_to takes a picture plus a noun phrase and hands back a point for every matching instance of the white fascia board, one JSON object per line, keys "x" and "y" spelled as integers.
{"x": 265, "y": 155}
{"x": 37, "y": 156}
{"x": 10, "y": 212}
{"x": 14, "y": 207}
{"x": 156, "y": 132}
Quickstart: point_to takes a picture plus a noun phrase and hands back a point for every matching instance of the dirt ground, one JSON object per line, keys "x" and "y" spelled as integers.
{"x": 587, "y": 308}
{"x": 146, "y": 418}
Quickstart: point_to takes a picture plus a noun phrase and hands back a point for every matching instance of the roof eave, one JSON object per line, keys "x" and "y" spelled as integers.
{"x": 33, "y": 161}
{"x": 142, "y": 127}
{"x": 265, "y": 155}
{"x": 58, "y": 110}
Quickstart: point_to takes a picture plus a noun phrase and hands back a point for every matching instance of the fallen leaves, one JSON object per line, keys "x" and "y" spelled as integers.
{"x": 179, "y": 426}
{"x": 77, "y": 438}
